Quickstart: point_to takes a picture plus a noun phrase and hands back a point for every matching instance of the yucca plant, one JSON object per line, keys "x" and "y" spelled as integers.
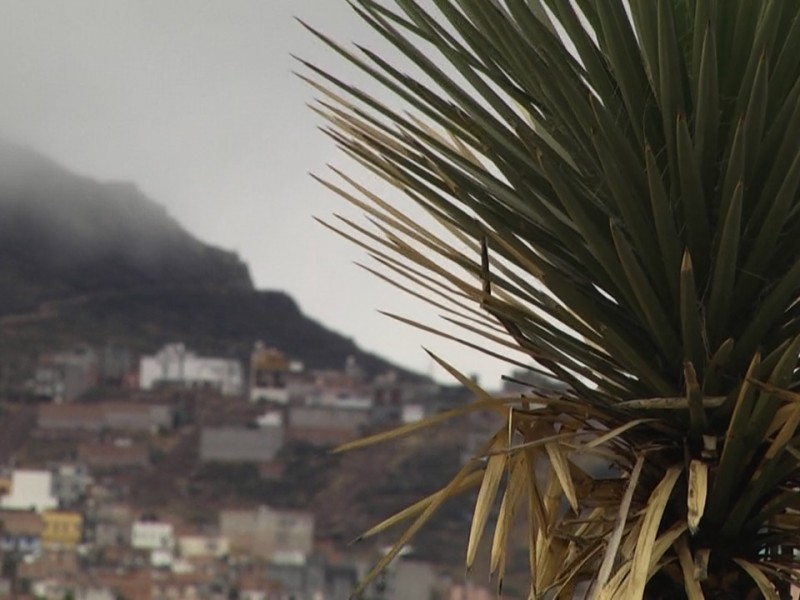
{"x": 612, "y": 188}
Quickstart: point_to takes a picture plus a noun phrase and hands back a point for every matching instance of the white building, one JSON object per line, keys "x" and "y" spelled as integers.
{"x": 30, "y": 490}
{"x": 203, "y": 545}
{"x": 268, "y": 532}
{"x": 152, "y": 535}
{"x": 176, "y": 365}
{"x": 412, "y": 413}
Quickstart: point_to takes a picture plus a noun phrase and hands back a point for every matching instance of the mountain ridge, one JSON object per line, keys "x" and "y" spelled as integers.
{"x": 61, "y": 233}
{"x": 83, "y": 261}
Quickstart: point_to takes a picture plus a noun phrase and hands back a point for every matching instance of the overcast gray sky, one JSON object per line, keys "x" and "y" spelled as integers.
{"x": 195, "y": 102}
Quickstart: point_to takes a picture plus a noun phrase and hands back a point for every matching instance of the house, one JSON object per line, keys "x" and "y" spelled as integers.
{"x": 70, "y": 483}
{"x": 30, "y": 490}
{"x": 296, "y": 578}
{"x": 70, "y": 417}
{"x": 269, "y": 371}
{"x": 326, "y": 425}
{"x": 405, "y": 579}
{"x": 152, "y": 535}
{"x": 63, "y": 376}
{"x": 137, "y": 417}
{"x": 183, "y": 586}
{"x": 390, "y": 395}
{"x": 51, "y": 569}
{"x": 198, "y": 544}
{"x": 174, "y": 365}
{"x": 61, "y": 529}
{"x": 21, "y": 531}
{"x": 240, "y": 444}
{"x": 119, "y": 416}
{"x": 266, "y": 532}
{"x": 313, "y": 578}
{"x": 332, "y": 387}
{"x": 115, "y": 365}
{"x": 111, "y": 524}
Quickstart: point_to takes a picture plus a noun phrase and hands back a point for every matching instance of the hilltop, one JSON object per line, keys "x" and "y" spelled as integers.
{"x": 99, "y": 262}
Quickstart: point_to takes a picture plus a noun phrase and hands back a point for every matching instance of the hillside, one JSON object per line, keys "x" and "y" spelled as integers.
{"x": 87, "y": 261}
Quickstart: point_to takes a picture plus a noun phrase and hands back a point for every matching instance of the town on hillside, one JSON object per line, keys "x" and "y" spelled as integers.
{"x": 179, "y": 476}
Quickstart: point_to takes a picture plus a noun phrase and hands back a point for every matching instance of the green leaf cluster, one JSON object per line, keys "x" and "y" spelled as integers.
{"x": 615, "y": 186}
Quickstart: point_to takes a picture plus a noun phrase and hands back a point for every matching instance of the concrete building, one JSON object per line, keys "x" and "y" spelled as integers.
{"x": 327, "y": 425}
{"x": 332, "y": 387}
{"x": 268, "y": 533}
{"x": 118, "y": 416}
{"x": 152, "y": 535}
{"x": 196, "y": 544}
{"x": 70, "y": 417}
{"x": 21, "y": 532}
{"x": 391, "y": 394}
{"x": 115, "y": 366}
{"x": 61, "y": 529}
{"x": 174, "y": 365}
{"x": 313, "y": 578}
{"x": 63, "y": 376}
{"x": 110, "y": 525}
{"x": 132, "y": 416}
{"x": 269, "y": 371}
{"x": 70, "y": 483}
{"x": 239, "y": 444}
{"x": 30, "y": 490}
{"x": 405, "y": 579}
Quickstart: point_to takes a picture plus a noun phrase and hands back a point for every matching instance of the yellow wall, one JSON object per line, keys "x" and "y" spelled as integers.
{"x": 62, "y": 528}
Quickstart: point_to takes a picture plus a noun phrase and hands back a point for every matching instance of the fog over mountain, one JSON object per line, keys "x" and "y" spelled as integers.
{"x": 198, "y": 104}
{"x": 61, "y": 234}
{"x": 99, "y": 262}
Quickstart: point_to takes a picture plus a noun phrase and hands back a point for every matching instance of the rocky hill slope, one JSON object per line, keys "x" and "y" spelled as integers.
{"x": 87, "y": 261}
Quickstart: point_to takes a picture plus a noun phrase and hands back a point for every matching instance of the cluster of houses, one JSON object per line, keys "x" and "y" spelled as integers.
{"x": 69, "y": 536}
{"x": 69, "y": 529}
{"x": 320, "y": 407}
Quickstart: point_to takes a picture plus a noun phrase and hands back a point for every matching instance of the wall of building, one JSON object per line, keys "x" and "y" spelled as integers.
{"x": 64, "y": 376}
{"x": 21, "y": 531}
{"x": 152, "y": 535}
{"x": 70, "y": 482}
{"x": 175, "y": 365}
{"x": 30, "y": 489}
{"x": 267, "y": 532}
{"x": 129, "y": 416}
{"x": 62, "y": 528}
{"x": 326, "y": 425}
{"x": 122, "y": 416}
{"x": 238, "y": 444}
{"x": 203, "y": 545}
{"x": 329, "y": 417}
{"x": 70, "y": 417}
